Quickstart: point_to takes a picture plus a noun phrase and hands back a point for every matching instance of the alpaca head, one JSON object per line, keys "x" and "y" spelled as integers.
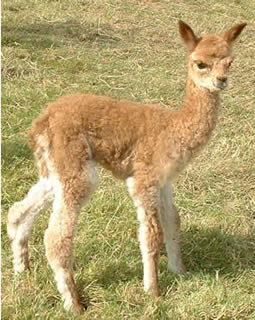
{"x": 209, "y": 56}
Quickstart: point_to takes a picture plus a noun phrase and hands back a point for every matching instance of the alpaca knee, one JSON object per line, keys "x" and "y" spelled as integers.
{"x": 25, "y": 211}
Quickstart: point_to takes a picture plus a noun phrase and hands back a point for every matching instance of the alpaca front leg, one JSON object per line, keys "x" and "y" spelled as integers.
{"x": 150, "y": 234}
{"x": 149, "y": 238}
{"x": 170, "y": 222}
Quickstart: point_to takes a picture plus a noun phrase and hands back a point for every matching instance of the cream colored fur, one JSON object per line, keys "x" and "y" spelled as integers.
{"x": 146, "y": 145}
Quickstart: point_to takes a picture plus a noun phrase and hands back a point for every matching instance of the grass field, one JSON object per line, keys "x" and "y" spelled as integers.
{"x": 131, "y": 49}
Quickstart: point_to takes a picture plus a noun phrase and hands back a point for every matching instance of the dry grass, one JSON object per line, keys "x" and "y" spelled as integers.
{"x": 131, "y": 49}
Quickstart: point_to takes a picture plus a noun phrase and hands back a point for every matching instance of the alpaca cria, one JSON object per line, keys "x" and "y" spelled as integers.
{"x": 146, "y": 145}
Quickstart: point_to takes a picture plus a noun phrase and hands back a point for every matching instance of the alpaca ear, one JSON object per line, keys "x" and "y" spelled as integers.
{"x": 187, "y": 35}
{"x": 233, "y": 33}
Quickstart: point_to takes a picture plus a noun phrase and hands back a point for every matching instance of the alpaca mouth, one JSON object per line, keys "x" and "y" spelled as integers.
{"x": 221, "y": 85}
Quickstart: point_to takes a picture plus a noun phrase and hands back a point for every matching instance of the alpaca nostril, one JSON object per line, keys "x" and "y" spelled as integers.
{"x": 221, "y": 82}
{"x": 222, "y": 79}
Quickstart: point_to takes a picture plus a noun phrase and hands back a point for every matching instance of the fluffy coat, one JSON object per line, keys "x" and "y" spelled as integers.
{"x": 146, "y": 145}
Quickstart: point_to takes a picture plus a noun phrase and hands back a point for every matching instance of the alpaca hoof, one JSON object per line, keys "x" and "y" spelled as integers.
{"x": 20, "y": 267}
{"x": 76, "y": 308}
{"x": 154, "y": 291}
{"x": 183, "y": 270}
{"x": 178, "y": 269}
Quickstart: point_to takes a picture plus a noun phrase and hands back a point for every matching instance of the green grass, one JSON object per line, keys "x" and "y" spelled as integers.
{"x": 131, "y": 49}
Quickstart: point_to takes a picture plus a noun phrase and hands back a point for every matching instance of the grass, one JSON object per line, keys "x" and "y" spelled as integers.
{"x": 131, "y": 49}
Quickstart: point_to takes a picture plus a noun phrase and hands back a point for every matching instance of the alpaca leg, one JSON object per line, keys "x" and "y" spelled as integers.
{"x": 21, "y": 218}
{"x": 150, "y": 234}
{"x": 170, "y": 222}
{"x": 70, "y": 196}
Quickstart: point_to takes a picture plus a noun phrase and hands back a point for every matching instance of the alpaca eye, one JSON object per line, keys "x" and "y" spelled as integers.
{"x": 201, "y": 66}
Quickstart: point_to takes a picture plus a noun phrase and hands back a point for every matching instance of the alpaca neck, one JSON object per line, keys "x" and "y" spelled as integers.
{"x": 198, "y": 115}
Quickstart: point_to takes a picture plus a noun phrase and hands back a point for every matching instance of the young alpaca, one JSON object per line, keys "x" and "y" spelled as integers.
{"x": 144, "y": 144}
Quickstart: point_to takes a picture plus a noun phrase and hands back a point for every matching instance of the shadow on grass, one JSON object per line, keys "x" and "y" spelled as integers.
{"x": 108, "y": 277}
{"x": 114, "y": 273}
{"x": 55, "y": 34}
{"x": 205, "y": 251}
{"x": 212, "y": 249}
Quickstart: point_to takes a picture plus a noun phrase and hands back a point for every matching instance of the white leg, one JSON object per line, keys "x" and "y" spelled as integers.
{"x": 170, "y": 222}
{"x": 150, "y": 235}
{"x": 21, "y": 218}
{"x": 149, "y": 256}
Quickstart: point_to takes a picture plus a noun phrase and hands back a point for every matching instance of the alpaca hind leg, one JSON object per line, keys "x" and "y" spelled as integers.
{"x": 150, "y": 234}
{"x": 170, "y": 222}
{"x": 21, "y": 218}
{"x": 71, "y": 193}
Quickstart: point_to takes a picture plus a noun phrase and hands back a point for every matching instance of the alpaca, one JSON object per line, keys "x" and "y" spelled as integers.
{"x": 145, "y": 145}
